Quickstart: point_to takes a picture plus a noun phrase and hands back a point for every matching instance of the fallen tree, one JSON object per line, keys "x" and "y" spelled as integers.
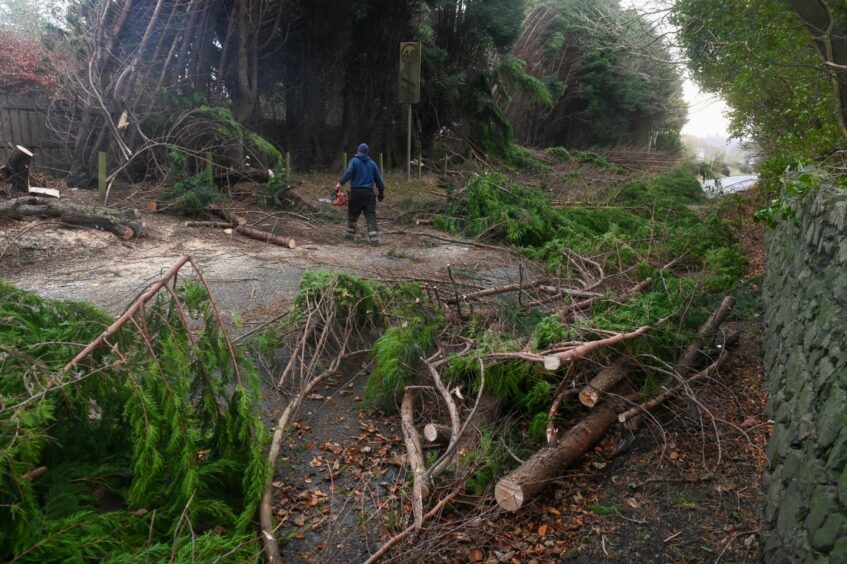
{"x": 125, "y": 224}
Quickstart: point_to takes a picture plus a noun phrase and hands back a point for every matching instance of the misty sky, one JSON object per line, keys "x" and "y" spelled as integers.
{"x": 705, "y": 111}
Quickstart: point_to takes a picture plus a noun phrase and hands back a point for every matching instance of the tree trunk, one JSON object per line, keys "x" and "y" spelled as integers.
{"x": 125, "y": 225}
{"x": 607, "y": 379}
{"x": 16, "y": 170}
{"x": 516, "y": 488}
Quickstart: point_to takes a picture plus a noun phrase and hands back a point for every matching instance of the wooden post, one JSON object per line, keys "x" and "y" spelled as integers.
{"x": 381, "y": 164}
{"x": 289, "y": 165}
{"x": 420, "y": 165}
{"x": 343, "y": 162}
{"x": 409, "y": 146}
{"x": 101, "y": 177}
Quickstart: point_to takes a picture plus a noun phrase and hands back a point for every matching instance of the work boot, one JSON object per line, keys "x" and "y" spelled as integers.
{"x": 373, "y": 238}
{"x": 349, "y": 237}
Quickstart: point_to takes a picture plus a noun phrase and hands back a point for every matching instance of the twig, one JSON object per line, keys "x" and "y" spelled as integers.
{"x": 409, "y": 530}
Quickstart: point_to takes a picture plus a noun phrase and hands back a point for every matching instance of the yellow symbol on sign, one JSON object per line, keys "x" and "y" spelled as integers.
{"x": 408, "y": 54}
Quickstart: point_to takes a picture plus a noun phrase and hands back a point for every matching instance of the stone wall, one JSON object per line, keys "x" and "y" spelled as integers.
{"x": 805, "y": 341}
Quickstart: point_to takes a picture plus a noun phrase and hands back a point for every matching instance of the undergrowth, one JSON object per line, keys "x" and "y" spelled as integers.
{"x": 652, "y": 226}
{"x": 190, "y": 195}
{"x": 145, "y": 456}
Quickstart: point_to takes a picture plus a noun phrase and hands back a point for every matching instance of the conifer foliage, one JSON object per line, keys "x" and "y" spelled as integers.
{"x": 150, "y": 448}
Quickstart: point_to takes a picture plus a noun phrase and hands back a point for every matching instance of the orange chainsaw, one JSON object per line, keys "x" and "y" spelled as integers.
{"x": 337, "y": 197}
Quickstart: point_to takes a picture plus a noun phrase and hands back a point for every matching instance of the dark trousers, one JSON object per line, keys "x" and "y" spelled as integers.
{"x": 362, "y": 201}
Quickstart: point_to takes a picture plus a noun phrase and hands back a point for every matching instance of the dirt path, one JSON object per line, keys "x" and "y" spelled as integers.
{"x": 252, "y": 280}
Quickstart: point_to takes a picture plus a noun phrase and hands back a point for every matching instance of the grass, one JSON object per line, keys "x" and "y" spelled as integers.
{"x": 599, "y": 509}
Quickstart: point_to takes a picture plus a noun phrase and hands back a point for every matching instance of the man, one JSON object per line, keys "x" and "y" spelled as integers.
{"x": 362, "y": 173}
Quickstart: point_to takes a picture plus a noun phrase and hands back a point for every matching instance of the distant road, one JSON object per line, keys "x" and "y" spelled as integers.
{"x": 729, "y": 185}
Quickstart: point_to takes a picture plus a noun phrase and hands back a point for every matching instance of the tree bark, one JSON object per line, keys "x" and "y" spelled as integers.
{"x": 125, "y": 225}
{"x": 516, "y": 488}
{"x": 607, "y": 379}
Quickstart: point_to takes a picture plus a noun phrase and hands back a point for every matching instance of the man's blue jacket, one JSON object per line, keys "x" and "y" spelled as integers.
{"x": 362, "y": 173}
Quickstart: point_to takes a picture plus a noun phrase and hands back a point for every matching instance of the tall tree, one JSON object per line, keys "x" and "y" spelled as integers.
{"x": 780, "y": 66}
{"x": 609, "y": 70}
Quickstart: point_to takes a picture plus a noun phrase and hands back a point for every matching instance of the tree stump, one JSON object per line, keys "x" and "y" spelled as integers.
{"x": 16, "y": 170}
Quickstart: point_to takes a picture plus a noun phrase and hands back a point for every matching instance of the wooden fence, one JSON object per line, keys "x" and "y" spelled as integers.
{"x": 23, "y": 121}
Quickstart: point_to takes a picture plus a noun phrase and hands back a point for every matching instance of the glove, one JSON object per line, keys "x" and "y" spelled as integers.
{"x": 381, "y": 197}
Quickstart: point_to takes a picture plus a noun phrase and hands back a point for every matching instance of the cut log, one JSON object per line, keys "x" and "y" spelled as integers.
{"x": 519, "y": 486}
{"x": 232, "y": 176}
{"x": 437, "y": 434}
{"x": 125, "y": 224}
{"x": 607, "y": 379}
{"x": 260, "y": 235}
{"x": 16, "y": 170}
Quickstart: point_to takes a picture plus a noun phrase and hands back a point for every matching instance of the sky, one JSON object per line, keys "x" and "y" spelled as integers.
{"x": 706, "y": 112}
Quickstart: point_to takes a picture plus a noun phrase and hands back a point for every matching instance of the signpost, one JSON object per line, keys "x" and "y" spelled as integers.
{"x": 410, "y": 90}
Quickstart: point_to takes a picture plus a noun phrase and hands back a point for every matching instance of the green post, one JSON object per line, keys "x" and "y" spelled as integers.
{"x": 289, "y": 166}
{"x": 101, "y": 177}
{"x": 208, "y": 171}
{"x": 420, "y": 165}
{"x": 343, "y": 162}
{"x": 381, "y": 164}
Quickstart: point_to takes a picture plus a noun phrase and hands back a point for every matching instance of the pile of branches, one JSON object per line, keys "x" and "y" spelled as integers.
{"x": 146, "y": 441}
{"x": 582, "y": 404}
{"x": 614, "y": 313}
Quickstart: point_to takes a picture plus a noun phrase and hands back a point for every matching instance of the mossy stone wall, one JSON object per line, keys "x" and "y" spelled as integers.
{"x": 805, "y": 339}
